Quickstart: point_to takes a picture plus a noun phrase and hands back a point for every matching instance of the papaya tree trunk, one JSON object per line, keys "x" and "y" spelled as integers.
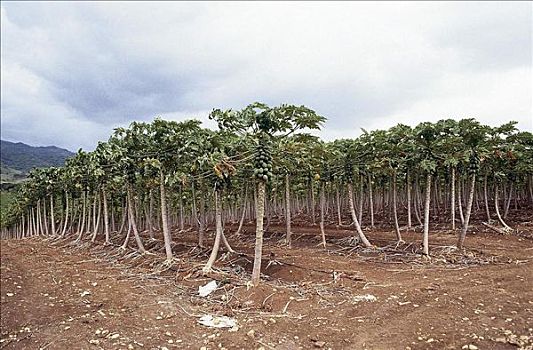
{"x": 452, "y": 202}
{"x": 23, "y": 229}
{"x": 33, "y": 225}
{"x": 201, "y": 229}
{"x": 508, "y": 204}
{"x": 106, "y": 216}
{"x": 371, "y": 200}
{"x": 65, "y": 223}
{"x": 312, "y": 190}
{"x": 426, "y": 215}
{"x": 39, "y": 222}
{"x": 322, "y": 209}
{"x": 417, "y": 203}
{"x": 243, "y": 214}
{"x": 216, "y": 245}
{"x": 82, "y": 223}
{"x": 288, "y": 209}
{"x": 45, "y": 218}
{"x": 132, "y": 220}
{"x": 150, "y": 214}
{"x": 124, "y": 217}
{"x": 126, "y": 240}
{"x": 95, "y": 204}
{"x": 361, "y": 184}
{"x": 52, "y": 218}
{"x": 362, "y": 236}
{"x": 337, "y": 194}
{"x": 164, "y": 217}
{"x": 408, "y": 185}
{"x": 395, "y": 208}
{"x": 462, "y": 235}
{"x": 260, "y": 212}
{"x": 194, "y": 211}
{"x": 182, "y": 224}
{"x": 460, "y": 203}
{"x": 497, "y": 207}
{"x": 98, "y": 217}
{"x": 95, "y": 221}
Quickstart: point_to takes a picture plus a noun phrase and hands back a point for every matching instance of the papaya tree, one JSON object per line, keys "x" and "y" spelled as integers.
{"x": 473, "y": 136}
{"x": 263, "y": 123}
{"x": 425, "y": 135}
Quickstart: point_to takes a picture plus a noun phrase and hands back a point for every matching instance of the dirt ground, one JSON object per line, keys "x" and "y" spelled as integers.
{"x": 58, "y": 295}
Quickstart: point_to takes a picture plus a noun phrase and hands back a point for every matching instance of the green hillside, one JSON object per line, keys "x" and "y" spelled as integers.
{"x": 17, "y": 159}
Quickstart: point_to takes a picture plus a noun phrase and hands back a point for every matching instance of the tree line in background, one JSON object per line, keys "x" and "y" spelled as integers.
{"x": 153, "y": 180}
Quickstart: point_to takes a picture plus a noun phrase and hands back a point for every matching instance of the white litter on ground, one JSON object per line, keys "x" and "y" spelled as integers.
{"x": 217, "y": 321}
{"x": 367, "y": 297}
{"x": 204, "y": 291}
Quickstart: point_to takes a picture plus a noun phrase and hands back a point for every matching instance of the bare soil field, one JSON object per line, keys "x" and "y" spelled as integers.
{"x": 59, "y": 295}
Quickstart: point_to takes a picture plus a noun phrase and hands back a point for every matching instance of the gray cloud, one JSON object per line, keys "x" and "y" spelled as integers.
{"x": 73, "y": 71}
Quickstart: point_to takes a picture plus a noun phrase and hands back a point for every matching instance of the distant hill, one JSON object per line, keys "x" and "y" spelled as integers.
{"x": 17, "y": 159}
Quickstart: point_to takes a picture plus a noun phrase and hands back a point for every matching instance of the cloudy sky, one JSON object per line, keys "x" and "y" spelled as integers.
{"x": 71, "y": 72}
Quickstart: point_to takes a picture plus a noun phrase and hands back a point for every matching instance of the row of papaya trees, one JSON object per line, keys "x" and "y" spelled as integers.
{"x": 151, "y": 181}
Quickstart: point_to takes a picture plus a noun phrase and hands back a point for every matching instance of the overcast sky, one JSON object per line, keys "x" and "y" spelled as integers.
{"x": 71, "y": 72}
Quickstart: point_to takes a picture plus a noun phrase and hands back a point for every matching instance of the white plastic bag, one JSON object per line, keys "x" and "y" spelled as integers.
{"x": 204, "y": 291}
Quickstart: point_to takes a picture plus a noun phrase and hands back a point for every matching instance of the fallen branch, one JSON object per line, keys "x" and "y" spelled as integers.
{"x": 494, "y": 228}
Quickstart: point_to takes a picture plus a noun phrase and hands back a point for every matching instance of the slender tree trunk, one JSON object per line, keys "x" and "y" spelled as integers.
{"x": 45, "y": 218}
{"x": 395, "y": 209}
{"x": 40, "y": 230}
{"x": 417, "y": 203}
{"x": 243, "y": 214}
{"x": 260, "y": 212}
{"x": 52, "y": 218}
{"x": 164, "y": 217}
{"x": 371, "y": 200}
{"x": 97, "y": 222}
{"x": 486, "y": 197}
{"x": 113, "y": 226}
{"x": 268, "y": 210}
{"x": 508, "y": 204}
{"x": 339, "y": 218}
{"x": 82, "y": 223}
{"x": 216, "y": 245}
{"x": 93, "y": 237}
{"x": 78, "y": 213}
{"x": 408, "y": 185}
{"x": 65, "y": 223}
{"x": 497, "y": 207}
{"x": 33, "y": 226}
{"x": 182, "y": 224}
{"x": 126, "y": 240}
{"x": 362, "y": 236}
{"x": 462, "y": 235}
{"x": 150, "y": 214}
{"x": 530, "y": 189}
{"x": 322, "y": 209}
{"x": 88, "y": 217}
{"x": 22, "y": 222}
{"x": 426, "y": 215}
{"x": 106, "y": 216}
{"x": 361, "y": 184}
{"x": 460, "y": 202}
{"x": 132, "y": 220}
{"x": 452, "y": 202}
{"x": 288, "y": 209}
{"x": 436, "y": 193}
{"x": 201, "y": 230}
{"x": 124, "y": 217}
{"x": 312, "y": 190}
{"x": 194, "y": 213}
